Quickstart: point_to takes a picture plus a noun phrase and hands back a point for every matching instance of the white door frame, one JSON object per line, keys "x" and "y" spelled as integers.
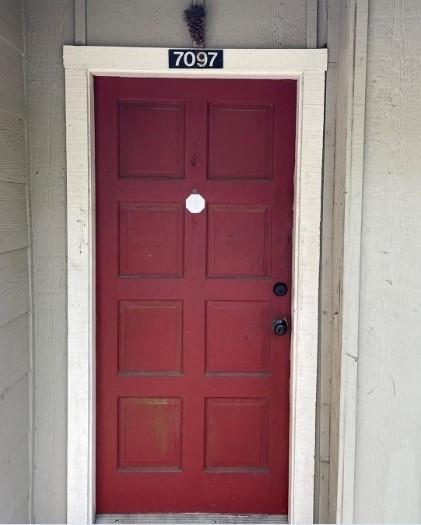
{"x": 82, "y": 63}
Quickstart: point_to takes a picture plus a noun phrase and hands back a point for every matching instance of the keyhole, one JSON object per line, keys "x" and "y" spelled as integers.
{"x": 193, "y": 159}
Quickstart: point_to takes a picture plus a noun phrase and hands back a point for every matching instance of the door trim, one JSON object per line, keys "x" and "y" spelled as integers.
{"x": 81, "y": 64}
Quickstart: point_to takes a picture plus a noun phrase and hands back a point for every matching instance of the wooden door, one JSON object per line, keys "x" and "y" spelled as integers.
{"x": 192, "y": 381}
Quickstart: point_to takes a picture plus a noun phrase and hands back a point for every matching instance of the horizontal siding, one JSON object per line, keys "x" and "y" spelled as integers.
{"x": 14, "y": 476}
{"x": 12, "y": 99}
{"x": 14, "y": 355}
{"x": 14, "y": 409}
{"x": 14, "y": 285}
{"x": 12, "y": 148}
{"x": 13, "y": 217}
{"x": 15, "y": 367}
{"x": 11, "y": 22}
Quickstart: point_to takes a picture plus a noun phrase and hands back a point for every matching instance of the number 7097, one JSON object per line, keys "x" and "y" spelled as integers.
{"x": 202, "y": 59}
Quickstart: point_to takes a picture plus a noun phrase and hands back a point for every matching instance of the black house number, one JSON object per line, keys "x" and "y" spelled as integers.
{"x": 195, "y": 58}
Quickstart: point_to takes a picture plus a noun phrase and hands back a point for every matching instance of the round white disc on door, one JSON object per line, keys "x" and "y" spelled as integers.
{"x": 195, "y": 203}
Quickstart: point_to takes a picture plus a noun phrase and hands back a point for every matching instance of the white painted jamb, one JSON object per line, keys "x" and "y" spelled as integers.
{"x": 81, "y": 64}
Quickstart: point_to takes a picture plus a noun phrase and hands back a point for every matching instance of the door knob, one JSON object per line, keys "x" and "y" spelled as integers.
{"x": 280, "y": 289}
{"x": 280, "y": 326}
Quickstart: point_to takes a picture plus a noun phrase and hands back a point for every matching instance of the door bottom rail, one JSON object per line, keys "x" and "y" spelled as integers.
{"x": 191, "y": 518}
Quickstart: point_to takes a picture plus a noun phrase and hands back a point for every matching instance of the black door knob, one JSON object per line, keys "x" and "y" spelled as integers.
{"x": 280, "y": 289}
{"x": 280, "y": 326}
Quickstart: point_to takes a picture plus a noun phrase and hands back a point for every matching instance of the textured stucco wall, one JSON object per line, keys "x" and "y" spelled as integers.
{"x": 388, "y": 455}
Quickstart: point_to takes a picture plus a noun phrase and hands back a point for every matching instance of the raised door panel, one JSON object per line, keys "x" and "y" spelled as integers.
{"x": 150, "y": 337}
{"x": 237, "y": 337}
{"x": 240, "y": 141}
{"x": 239, "y": 244}
{"x": 151, "y": 239}
{"x": 237, "y": 435}
{"x": 151, "y": 139}
{"x": 149, "y": 433}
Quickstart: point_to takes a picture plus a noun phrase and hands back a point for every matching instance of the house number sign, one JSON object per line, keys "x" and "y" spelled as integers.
{"x": 196, "y": 58}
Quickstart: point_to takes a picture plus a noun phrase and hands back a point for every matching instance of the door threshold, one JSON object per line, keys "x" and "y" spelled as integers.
{"x": 191, "y": 518}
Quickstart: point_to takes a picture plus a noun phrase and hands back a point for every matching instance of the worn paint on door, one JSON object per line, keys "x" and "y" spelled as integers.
{"x": 192, "y": 381}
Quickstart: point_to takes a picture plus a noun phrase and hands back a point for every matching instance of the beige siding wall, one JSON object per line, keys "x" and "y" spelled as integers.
{"x": 15, "y": 361}
{"x": 388, "y": 455}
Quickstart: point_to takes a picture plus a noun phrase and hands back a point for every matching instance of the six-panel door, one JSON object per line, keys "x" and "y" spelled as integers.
{"x": 192, "y": 382}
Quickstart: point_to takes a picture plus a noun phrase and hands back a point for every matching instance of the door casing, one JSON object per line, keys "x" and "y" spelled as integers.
{"x": 81, "y": 64}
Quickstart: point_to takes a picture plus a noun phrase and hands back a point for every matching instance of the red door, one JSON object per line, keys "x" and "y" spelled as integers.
{"x": 192, "y": 381}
